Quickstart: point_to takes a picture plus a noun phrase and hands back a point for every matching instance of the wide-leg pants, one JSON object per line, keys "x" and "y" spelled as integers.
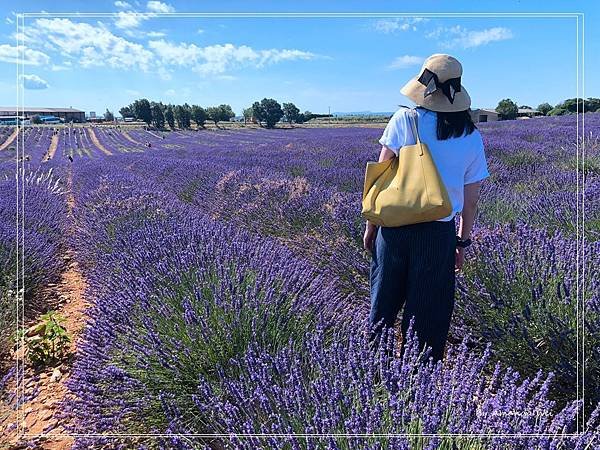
{"x": 413, "y": 266}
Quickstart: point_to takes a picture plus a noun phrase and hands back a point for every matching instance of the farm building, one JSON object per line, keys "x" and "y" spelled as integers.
{"x": 528, "y": 112}
{"x": 67, "y": 114}
{"x": 484, "y": 115}
{"x": 490, "y": 114}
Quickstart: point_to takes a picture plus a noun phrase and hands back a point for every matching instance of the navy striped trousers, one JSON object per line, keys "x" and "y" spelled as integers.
{"x": 413, "y": 266}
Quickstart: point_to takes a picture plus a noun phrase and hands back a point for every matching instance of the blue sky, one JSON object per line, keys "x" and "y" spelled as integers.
{"x": 346, "y": 64}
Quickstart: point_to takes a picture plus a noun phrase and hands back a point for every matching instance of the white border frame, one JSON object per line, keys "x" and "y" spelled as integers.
{"x": 580, "y": 222}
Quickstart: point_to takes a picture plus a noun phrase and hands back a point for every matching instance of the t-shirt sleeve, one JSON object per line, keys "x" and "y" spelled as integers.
{"x": 477, "y": 170}
{"x": 394, "y": 135}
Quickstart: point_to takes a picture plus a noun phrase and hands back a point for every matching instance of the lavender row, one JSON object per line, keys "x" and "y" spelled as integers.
{"x": 44, "y": 225}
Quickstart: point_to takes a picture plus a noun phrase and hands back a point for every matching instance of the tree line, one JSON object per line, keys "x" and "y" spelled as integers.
{"x": 267, "y": 112}
{"x": 509, "y": 109}
{"x": 158, "y": 114}
{"x": 270, "y": 112}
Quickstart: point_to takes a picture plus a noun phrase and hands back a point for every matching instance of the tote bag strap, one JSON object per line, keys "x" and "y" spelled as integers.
{"x": 413, "y": 122}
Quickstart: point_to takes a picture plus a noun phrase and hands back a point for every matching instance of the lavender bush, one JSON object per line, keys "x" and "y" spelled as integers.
{"x": 352, "y": 396}
{"x": 43, "y": 239}
{"x": 198, "y": 300}
{"x": 519, "y": 293}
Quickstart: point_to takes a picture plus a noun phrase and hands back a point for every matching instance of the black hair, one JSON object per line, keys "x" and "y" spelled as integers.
{"x": 454, "y": 124}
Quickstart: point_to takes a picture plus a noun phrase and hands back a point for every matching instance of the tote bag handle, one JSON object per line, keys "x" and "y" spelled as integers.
{"x": 413, "y": 117}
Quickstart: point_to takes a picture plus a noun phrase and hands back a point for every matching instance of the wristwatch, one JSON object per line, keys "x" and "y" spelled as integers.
{"x": 462, "y": 243}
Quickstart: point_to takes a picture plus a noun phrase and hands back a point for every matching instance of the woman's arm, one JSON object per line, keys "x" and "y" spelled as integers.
{"x": 369, "y": 236}
{"x": 386, "y": 153}
{"x": 467, "y": 218}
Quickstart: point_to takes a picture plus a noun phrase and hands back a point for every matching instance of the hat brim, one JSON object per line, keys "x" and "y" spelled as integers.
{"x": 436, "y": 101}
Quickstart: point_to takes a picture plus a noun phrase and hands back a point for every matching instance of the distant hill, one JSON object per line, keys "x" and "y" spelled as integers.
{"x": 361, "y": 113}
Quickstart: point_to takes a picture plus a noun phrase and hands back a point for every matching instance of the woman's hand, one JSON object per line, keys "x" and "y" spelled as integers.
{"x": 459, "y": 259}
{"x": 369, "y": 237}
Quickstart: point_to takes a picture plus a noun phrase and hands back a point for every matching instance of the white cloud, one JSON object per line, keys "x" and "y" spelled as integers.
{"x": 140, "y": 35}
{"x": 181, "y": 54}
{"x": 483, "y": 37}
{"x": 170, "y": 92}
{"x": 155, "y": 34}
{"x": 462, "y": 37}
{"x": 402, "y": 62}
{"x": 33, "y": 82}
{"x": 164, "y": 74}
{"x": 129, "y": 19}
{"x": 226, "y": 77}
{"x": 13, "y": 54}
{"x": 217, "y": 59}
{"x": 159, "y": 7}
{"x": 93, "y": 45}
{"x": 199, "y": 31}
{"x": 124, "y": 5}
{"x": 276, "y": 55}
{"x": 397, "y": 24}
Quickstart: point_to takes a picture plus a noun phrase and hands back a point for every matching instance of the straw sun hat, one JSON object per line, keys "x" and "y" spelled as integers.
{"x": 438, "y": 87}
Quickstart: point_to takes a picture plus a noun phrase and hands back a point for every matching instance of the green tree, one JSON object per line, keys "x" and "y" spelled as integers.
{"x": 109, "y": 116}
{"x": 544, "y": 108}
{"x": 36, "y": 120}
{"x": 143, "y": 111}
{"x": 558, "y": 111}
{"x": 572, "y": 105}
{"x": 226, "y": 112}
{"x": 199, "y": 115}
{"x": 126, "y": 111}
{"x": 180, "y": 116}
{"x": 258, "y": 113}
{"x": 212, "y": 114}
{"x": 219, "y": 113}
{"x": 247, "y": 113}
{"x": 170, "y": 116}
{"x": 187, "y": 116}
{"x": 158, "y": 117}
{"x": 291, "y": 112}
{"x": 592, "y": 104}
{"x": 507, "y": 109}
{"x": 271, "y": 111}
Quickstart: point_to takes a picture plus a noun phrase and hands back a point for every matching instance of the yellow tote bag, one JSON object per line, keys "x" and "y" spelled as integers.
{"x": 405, "y": 189}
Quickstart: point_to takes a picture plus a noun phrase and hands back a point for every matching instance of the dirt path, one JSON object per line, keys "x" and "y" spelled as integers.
{"x": 52, "y": 149}
{"x": 155, "y": 135}
{"x": 10, "y": 140}
{"x": 130, "y": 139}
{"x": 97, "y": 142}
{"x": 41, "y": 414}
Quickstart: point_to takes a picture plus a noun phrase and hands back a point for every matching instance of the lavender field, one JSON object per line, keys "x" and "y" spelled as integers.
{"x": 229, "y": 290}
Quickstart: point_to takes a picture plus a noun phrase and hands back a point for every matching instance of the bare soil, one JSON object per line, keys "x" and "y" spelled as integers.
{"x": 39, "y": 424}
{"x": 129, "y": 138}
{"x": 97, "y": 142}
{"x": 9, "y": 140}
{"x": 52, "y": 149}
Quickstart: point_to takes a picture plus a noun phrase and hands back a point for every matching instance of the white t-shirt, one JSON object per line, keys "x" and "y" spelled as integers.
{"x": 459, "y": 160}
